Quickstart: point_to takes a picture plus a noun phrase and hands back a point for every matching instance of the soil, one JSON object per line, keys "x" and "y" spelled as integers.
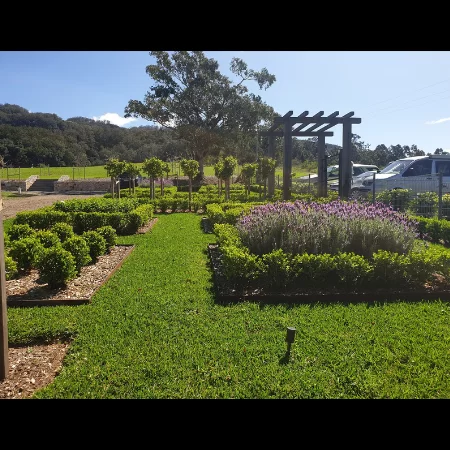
{"x": 34, "y": 366}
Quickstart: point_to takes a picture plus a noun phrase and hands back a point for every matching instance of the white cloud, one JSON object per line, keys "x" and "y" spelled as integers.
{"x": 115, "y": 119}
{"x": 432, "y": 122}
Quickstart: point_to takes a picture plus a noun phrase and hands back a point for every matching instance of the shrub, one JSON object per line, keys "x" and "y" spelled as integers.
{"x": 425, "y": 204}
{"x": 56, "y": 267}
{"x": 316, "y": 228}
{"x": 25, "y": 253}
{"x": 110, "y": 235}
{"x": 79, "y": 249}
{"x": 96, "y": 243}
{"x": 10, "y": 268}
{"x": 20, "y": 231}
{"x": 63, "y": 230}
{"x": 399, "y": 199}
{"x": 47, "y": 238}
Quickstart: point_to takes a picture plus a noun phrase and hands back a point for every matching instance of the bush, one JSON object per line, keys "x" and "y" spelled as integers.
{"x": 10, "y": 268}
{"x": 47, "y": 238}
{"x": 96, "y": 243}
{"x": 63, "y": 230}
{"x": 79, "y": 249}
{"x": 20, "y": 231}
{"x": 56, "y": 267}
{"x": 25, "y": 252}
{"x": 110, "y": 235}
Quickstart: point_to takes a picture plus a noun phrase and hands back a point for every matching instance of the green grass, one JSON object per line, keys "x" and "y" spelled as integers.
{"x": 154, "y": 331}
{"x": 80, "y": 173}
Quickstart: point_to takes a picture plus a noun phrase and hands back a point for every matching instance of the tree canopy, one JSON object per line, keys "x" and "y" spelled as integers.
{"x": 190, "y": 95}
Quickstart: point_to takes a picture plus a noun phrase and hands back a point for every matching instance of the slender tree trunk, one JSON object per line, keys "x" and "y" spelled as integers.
{"x": 190, "y": 192}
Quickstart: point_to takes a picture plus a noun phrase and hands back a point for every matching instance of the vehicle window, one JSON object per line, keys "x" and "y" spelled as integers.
{"x": 444, "y": 167}
{"x": 396, "y": 166}
{"x": 333, "y": 173}
{"x": 357, "y": 171}
{"x": 421, "y": 167}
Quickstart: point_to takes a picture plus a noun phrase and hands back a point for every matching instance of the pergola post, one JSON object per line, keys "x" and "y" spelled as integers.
{"x": 345, "y": 167}
{"x": 271, "y": 179}
{"x": 321, "y": 169}
{"x": 287, "y": 165}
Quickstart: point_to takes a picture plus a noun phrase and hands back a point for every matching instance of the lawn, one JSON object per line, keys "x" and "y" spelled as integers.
{"x": 79, "y": 173}
{"x": 154, "y": 331}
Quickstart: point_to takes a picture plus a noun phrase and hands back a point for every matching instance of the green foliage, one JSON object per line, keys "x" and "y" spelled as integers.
{"x": 25, "y": 252}
{"x": 47, "y": 238}
{"x": 11, "y": 269}
{"x": 355, "y": 350}
{"x": 63, "y": 230}
{"x": 424, "y": 204}
{"x": 79, "y": 249}
{"x": 399, "y": 199}
{"x": 56, "y": 266}
{"x": 96, "y": 243}
{"x": 42, "y": 218}
{"x": 19, "y": 231}
{"x": 110, "y": 235}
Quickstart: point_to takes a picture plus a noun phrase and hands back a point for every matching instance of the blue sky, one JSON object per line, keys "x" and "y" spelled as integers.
{"x": 402, "y": 97}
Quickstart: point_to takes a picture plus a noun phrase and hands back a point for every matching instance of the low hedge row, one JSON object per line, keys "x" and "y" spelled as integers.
{"x": 125, "y": 223}
{"x": 277, "y": 269}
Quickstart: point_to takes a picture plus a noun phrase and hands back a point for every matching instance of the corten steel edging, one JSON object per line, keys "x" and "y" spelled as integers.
{"x": 70, "y": 301}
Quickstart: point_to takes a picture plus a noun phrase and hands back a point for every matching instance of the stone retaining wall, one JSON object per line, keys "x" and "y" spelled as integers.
{"x": 14, "y": 185}
{"x": 65, "y": 184}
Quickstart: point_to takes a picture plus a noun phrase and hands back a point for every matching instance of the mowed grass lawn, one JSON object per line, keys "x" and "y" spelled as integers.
{"x": 79, "y": 173}
{"x": 154, "y": 331}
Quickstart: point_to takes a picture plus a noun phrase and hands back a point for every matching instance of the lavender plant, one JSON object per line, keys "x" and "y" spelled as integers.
{"x": 308, "y": 227}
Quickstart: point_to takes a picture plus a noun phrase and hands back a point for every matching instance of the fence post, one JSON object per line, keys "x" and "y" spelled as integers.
{"x": 373, "y": 191}
{"x": 440, "y": 197}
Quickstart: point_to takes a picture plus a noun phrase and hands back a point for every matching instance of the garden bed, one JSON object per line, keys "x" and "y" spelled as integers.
{"x": 226, "y": 293}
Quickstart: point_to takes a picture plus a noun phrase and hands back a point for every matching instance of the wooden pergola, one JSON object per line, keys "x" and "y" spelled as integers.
{"x": 313, "y": 123}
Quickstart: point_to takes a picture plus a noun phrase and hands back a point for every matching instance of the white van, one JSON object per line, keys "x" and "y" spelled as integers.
{"x": 417, "y": 173}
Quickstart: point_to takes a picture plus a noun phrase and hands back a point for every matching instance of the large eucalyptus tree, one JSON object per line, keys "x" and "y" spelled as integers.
{"x": 190, "y": 95}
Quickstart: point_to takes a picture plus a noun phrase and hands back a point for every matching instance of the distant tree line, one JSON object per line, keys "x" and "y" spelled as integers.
{"x": 28, "y": 139}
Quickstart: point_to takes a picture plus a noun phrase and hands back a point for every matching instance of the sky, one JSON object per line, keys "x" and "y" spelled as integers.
{"x": 401, "y": 97}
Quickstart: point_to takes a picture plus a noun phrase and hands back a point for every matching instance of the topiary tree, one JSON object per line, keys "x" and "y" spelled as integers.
{"x": 114, "y": 167}
{"x": 229, "y": 164}
{"x": 133, "y": 171}
{"x": 47, "y": 238}
{"x": 266, "y": 167}
{"x": 153, "y": 167}
{"x": 248, "y": 172}
{"x": 218, "y": 167}
{"x": 165, "y": 170}
{"x": 19, "y": 231}
{"x": 190, "y": 169}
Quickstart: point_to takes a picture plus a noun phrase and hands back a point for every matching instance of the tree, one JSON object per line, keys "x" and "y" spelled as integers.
{"x": 248, "y": 172}
{"x": 438, "y": 151}
{"x": 190, "y": 169}
{"x": 227, "y": 167}
{"x": 217, "y": 172}
{"x": 153, "y": 167}
{"x": 165, "y": 170}
{"x": 190, "y": 95}
{"x": 266, "y": 167}
{"x": 133, "y": 171}
{"x": 114, "y": 167}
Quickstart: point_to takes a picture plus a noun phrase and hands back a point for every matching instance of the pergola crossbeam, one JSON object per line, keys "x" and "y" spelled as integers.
{"x": 314, "y": 122}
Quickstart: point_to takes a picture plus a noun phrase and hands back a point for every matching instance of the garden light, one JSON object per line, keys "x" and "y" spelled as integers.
{"x": 290, "y": 336}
